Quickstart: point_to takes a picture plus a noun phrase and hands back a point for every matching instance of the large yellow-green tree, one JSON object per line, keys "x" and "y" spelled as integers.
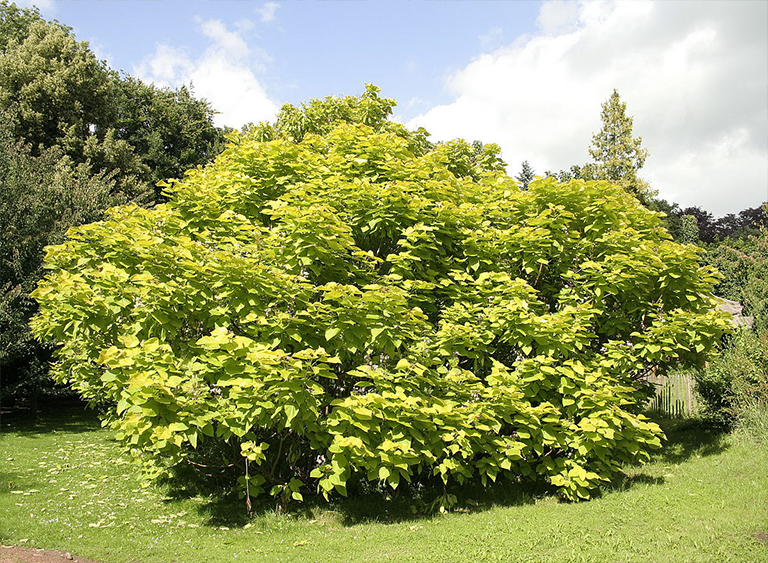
{"x": 336, "y": 299}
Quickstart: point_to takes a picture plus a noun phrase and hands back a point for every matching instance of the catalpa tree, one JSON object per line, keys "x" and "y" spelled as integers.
{"x": 337, "y": 299}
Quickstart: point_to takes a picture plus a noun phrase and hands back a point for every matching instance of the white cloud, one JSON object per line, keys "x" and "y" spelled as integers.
{"x": 225, "y": 74}
{"x": 267, "y": 11}
{"x": 230, "y": 42}
{"x": 694, "y": 76}
{"x": 557, "y": 17}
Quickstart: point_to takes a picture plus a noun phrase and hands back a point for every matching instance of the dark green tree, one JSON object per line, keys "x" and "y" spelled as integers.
{"x": 170, "y": 130}
{"x": 672, "y": 216}
{"x": 734, "y": 387}
{"x": 40, "y": 198}
{"x": 706, "y": 222}
{"x": 77, "y": 138}
{"x": 56, "y": 93}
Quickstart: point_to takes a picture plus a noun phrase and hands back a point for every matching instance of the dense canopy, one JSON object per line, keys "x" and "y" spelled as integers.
{"x": 336, "y": 299}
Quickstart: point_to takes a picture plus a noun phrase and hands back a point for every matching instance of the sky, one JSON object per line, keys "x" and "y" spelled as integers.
{"x": 529, "y": 76}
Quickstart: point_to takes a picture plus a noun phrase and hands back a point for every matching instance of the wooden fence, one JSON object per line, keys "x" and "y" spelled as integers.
{"x": 675, "y": 394}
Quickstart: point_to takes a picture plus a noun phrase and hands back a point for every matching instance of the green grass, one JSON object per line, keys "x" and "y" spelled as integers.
{"x": 66, "y": 486}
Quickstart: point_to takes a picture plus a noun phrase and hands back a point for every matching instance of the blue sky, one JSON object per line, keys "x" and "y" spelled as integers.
{"x": 529, "y": 76}
{"x": 305, "y": 49}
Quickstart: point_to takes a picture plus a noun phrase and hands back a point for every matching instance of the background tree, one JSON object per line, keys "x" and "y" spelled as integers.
{"x": 575, "y": 172}
{"x": 705, "y": 221}
{"x": 72, "y": 128}
{"x": 41, "y": 196}
{"x": 689, "y": 231}
{"x": 15, "y": 23}
{"x": 170, "y": 130}
{"x": 55, "y": 93}
{"x": 526, "y": 175}
{"x": 617, "y": 154}
{"x": 672, "y": 216}
{"x": 746, "y": 223}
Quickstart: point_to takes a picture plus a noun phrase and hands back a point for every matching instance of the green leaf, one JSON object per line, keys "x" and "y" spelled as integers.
{"x": 291, "y": 412}
{"x": 331, "y": 332}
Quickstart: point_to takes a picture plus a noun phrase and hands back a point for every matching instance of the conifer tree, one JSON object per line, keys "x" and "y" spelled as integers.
{"x": 526, "y": 176}
{"x": 617, "y": 154}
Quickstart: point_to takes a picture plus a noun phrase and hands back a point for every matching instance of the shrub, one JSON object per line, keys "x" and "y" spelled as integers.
{"x": 735, "y": 385}
{"x": 335, "y": 298}
{"x": 744, "y": 265}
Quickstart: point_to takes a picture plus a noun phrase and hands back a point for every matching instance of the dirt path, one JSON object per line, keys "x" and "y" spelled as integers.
{"x": 11, "y": 554}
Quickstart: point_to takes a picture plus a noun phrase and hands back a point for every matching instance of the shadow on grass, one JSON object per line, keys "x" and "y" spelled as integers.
{"x": 64, "y": 415}
{"x": 371, "y": 506}
{"x": 687, "y": 438}
{"x": 367, "y": 503}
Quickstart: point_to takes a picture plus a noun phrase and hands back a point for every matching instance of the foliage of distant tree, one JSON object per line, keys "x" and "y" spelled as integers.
{"x": 617, "y": 155}
{"x": 575, "y": 172}
{"x": 526, "y": 175}
{"x": 170, "y": 130}
{"x": 40, "y": 198}
{"x": 71, "y": 128}
{"x": 15, "y": 23}
{"x": 711, "y": 230}
{"x": 744, "y": 265}
{"x": 335, "y": 299}
{"x": 741, "y": 225}
{"x": 689, "y": 231}
{"x": 54, "y": 92}
{"x": 671, "y": 218}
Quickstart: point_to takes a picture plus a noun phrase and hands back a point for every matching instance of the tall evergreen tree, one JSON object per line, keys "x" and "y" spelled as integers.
{"x": 526, "y": 175}
{"x": 617, "y": 154}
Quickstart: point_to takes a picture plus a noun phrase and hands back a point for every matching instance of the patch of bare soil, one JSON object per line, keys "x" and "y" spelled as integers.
{"x": 11, "y": 554}
{"x": 762, "y": 536}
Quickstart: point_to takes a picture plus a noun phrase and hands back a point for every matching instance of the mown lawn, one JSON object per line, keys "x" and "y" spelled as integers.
{"x": 65, "y": 485}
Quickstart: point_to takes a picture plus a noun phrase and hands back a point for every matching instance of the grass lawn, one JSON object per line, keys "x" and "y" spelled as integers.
{"x": 66, "y": 486}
